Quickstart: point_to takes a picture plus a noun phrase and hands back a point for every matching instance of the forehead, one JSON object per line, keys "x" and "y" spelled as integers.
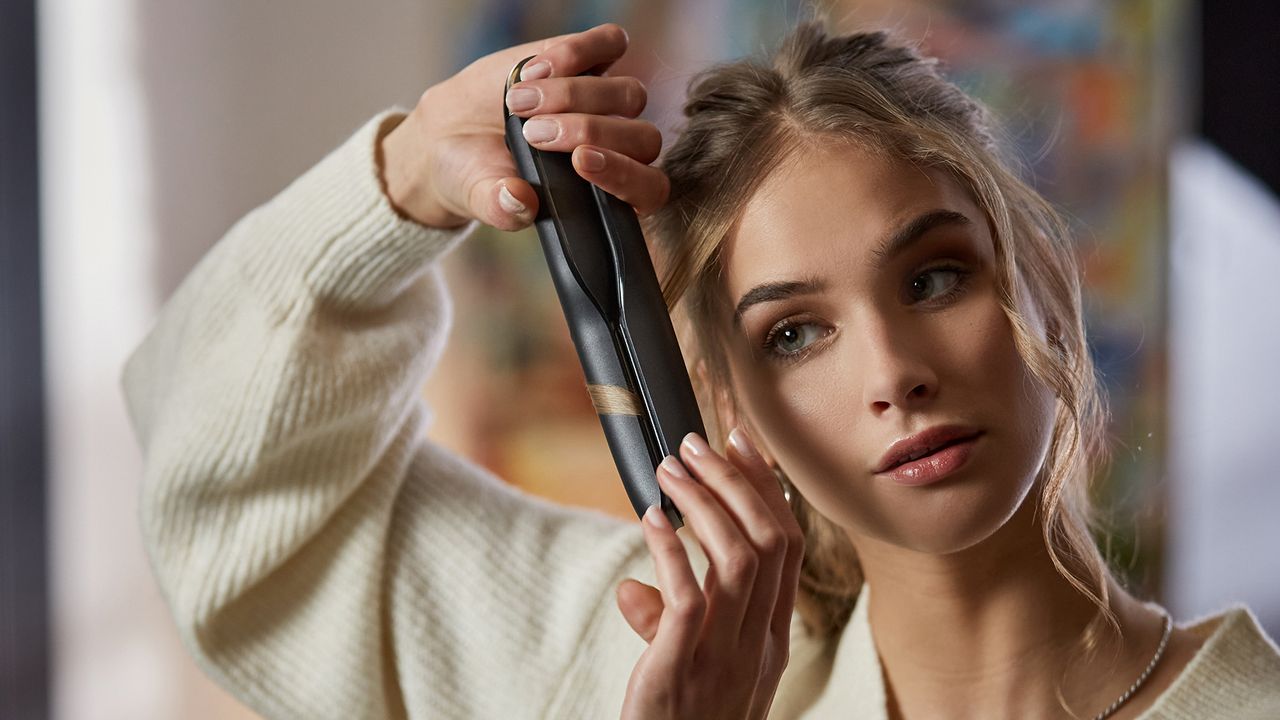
{"x": 825, "y": 209}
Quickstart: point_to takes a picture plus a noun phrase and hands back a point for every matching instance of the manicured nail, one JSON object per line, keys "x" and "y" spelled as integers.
{"x": 655, "y": 517}
{"x": 541, "y": 130}
{"x": 523, "y": 99}
{"x": 535, "y": 71}
{"x": 509, "y": 202}
{"x": 695, "y": 443}
{"x": 674, "y": 468}
{"x": 742, "y": 443}
{"x": 592, "y": 160}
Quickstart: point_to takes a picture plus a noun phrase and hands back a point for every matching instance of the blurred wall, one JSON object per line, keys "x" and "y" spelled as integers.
{"x": 241, "y": 97}
{"x": 1224, "y": 389}
{"x": 114, "y": 653}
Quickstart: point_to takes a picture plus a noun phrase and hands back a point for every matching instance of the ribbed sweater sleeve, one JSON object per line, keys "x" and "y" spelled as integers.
{"x": 321, "y": 557}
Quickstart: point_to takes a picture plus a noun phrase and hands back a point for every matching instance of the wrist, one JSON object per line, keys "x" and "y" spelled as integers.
{"x": 401, "y": 172}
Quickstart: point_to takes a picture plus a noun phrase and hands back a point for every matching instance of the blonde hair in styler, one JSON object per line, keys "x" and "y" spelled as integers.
{"x": 614, "y": 400}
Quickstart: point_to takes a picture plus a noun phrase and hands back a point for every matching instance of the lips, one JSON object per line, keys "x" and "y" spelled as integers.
{"x": 924, "y": 443}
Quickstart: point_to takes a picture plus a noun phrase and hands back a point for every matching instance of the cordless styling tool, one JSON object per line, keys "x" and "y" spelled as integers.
{"x": 604, "y": 277}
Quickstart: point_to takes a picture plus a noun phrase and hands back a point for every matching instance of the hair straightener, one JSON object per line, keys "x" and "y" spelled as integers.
{"x": 635, "y": 373}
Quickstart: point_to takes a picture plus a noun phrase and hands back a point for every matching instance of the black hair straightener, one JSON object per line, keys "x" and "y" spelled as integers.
{"x": 619, "y": 322}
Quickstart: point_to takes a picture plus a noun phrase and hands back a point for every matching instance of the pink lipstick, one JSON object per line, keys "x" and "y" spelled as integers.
{"x": 930, "y": 455}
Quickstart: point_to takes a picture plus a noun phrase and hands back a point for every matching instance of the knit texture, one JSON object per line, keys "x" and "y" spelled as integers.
{"x": 324, "y": 559}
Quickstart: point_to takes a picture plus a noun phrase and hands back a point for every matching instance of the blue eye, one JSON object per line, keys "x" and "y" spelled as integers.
{"x": 942, "y": 282}
{"x": 788, "y": 339}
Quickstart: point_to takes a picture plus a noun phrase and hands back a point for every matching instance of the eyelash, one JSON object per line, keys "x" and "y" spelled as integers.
{"x": 785, "y": 358}
{"x": 962, "y": 281}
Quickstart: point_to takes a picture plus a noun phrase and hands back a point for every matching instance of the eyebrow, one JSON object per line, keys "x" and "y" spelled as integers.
{"x": 890, "y": 248}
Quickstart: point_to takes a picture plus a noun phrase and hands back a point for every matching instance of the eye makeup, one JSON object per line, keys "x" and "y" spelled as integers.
{"x": 939, "y": 294}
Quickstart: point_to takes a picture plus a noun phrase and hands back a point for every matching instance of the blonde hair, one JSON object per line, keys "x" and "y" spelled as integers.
{"x": 743, "y": 118}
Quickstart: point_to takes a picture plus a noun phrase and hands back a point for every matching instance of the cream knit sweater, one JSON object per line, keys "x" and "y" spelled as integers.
{"x": 323, "y": 559}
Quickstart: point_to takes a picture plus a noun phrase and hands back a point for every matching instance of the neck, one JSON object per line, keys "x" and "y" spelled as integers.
{"x": 990, "y": 631}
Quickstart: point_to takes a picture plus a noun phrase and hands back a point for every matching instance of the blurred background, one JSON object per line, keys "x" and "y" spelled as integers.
{"x": 133, "y": 134}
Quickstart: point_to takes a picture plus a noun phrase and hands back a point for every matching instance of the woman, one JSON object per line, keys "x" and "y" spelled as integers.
{"x": 877, "y": 300}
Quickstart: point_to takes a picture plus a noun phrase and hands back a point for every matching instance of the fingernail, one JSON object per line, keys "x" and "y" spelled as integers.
{"x": 541, "y": 130}
{"x": 673, "y": 468}
{"x": 655, "y": 517}
{"x": 509, "y": 202}
{"x": 592, "y": 160}
{"x": 742, "y": 443}
{"x": 535, "y": 71}
{"x": 523, "y": 99}
{"x": 695, "y": 443}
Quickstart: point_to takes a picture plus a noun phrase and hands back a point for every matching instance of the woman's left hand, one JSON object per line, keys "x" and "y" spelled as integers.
{"x": 719, "y": 651}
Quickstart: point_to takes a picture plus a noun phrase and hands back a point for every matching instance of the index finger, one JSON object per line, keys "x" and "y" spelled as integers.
{"x": 757, "y": 472}
{"x": 593, "y": 51}
{"x": 747, "y": 457}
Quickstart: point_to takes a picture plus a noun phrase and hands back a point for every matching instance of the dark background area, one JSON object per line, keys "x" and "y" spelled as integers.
{"x": 1240, "y": 89}
{"x": 24, "y": 592}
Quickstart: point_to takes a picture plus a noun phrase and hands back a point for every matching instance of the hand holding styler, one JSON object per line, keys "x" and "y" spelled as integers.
{"x": 447, "y": 163}
{"x": 564, "y": 150}
{"x": 717, "y": 651}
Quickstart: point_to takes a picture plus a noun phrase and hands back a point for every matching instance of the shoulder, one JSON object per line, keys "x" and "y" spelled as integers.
{"x": 1235, "y": 673}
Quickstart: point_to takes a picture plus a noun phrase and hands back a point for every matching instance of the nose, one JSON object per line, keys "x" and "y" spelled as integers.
{"x": 896, "y": 374}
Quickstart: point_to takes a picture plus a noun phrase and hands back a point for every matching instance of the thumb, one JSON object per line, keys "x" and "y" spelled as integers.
{"x": 641, "y": 605}
{"x": 507, "y": 203}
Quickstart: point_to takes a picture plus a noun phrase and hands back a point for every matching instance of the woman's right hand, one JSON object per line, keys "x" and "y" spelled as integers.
{"x": 448, "y": 162}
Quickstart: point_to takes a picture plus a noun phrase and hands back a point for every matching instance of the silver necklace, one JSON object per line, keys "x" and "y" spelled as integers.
{"x": 1164, "y": 642}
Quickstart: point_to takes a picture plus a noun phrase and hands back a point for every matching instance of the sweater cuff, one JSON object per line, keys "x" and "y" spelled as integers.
{"x": 336, "y": 225}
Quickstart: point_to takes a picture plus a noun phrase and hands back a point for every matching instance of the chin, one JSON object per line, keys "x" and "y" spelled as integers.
{"x": 963, "y": 515}
{"x": 949, "y": 516}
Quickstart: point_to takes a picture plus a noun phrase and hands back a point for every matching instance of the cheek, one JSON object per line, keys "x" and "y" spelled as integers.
{"x": 978, "y": 359}
{"x": 805, "y": 416}
{"x": 805, "y": 408}
{"x": 1018, "y": 406}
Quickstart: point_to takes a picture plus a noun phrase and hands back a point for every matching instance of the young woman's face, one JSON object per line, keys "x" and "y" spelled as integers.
{"x": 888, "y": 342}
